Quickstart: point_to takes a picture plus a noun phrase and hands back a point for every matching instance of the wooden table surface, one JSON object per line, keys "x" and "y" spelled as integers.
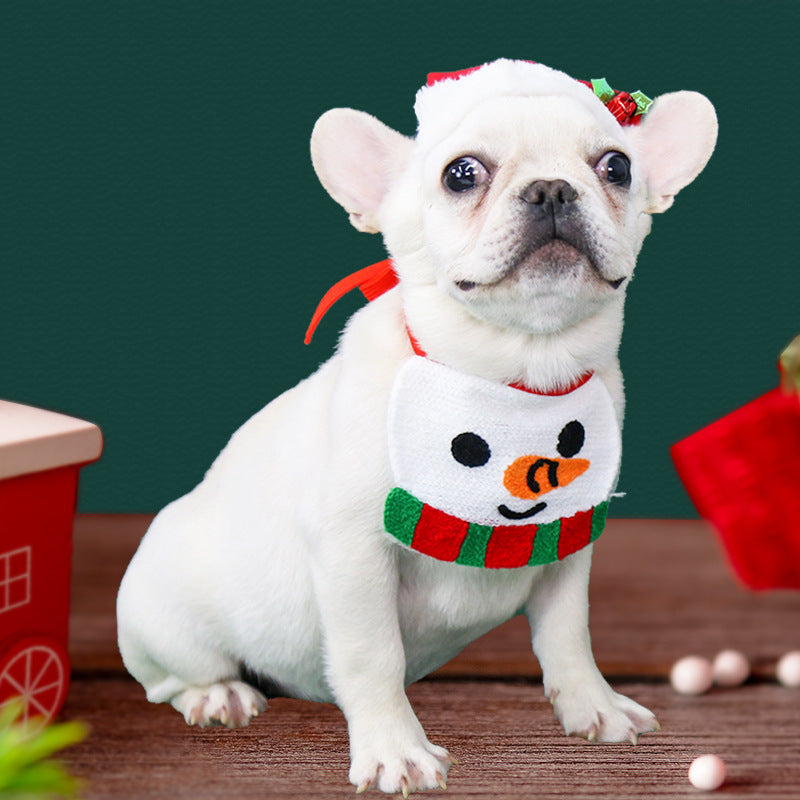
{"x": 660, "y": 590}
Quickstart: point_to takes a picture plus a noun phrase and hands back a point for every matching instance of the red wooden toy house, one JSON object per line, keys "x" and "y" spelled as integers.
{"x": 41, "y": 453}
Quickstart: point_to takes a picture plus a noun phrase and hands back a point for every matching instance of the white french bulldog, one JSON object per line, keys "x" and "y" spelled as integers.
{"x": 369, "y": 523}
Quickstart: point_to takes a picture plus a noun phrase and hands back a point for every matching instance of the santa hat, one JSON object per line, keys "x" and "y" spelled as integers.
{"x": 448, "y": 96}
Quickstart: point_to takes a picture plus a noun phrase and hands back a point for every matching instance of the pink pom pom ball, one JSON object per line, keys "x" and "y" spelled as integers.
{"x": 691, "y": 675}
{"x": 731, "y": 668}
{"x": 788, "y": 669}
{"x": 707, "y": 772}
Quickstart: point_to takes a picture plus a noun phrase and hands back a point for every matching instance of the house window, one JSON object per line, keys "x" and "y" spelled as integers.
{"x": 15, "y": 579}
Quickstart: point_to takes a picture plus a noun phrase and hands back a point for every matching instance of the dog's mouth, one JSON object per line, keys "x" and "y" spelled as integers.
{"x": 556, "y": 256}
{"x": 510, "y": 514}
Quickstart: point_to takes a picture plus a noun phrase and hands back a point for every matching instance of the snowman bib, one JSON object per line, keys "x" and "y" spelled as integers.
{"x": 489, "y": 475}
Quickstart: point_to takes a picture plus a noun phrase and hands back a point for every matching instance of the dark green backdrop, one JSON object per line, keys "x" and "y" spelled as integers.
{"x": 164, "y": 239}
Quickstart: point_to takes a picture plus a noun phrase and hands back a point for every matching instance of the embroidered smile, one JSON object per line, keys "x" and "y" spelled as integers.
{"x": 509, "y": 514}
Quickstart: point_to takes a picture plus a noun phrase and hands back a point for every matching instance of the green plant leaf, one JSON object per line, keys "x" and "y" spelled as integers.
{"x": 23, "y": 771}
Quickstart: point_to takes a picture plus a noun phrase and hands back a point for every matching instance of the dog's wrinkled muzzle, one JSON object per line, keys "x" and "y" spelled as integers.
{"x": 552, "y": 214}
{"x": 529, "y": 477}
{"x": 554, "y": 229}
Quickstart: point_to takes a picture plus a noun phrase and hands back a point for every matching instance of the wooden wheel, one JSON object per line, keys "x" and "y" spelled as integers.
{"x": 35, "y": 669}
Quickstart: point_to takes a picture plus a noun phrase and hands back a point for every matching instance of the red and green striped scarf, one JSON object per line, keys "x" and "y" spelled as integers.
{"x": 427, "y": 530}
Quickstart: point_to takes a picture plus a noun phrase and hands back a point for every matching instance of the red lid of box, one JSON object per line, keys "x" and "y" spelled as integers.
{"x": 34, "y": 440}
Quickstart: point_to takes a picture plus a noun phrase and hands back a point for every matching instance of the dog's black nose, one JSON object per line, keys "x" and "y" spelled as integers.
{"x": 550, "y": 194}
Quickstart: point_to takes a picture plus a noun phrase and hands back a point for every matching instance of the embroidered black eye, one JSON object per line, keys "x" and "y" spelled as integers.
{"x": 464, "y": 173}
{"x": 470, "y": 450}
{"x": 571, "y": 438}
{"x": 615, "y": 168}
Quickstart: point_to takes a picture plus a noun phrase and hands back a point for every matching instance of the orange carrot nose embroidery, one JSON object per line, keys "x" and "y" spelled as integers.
{"x": 532, "y": 476}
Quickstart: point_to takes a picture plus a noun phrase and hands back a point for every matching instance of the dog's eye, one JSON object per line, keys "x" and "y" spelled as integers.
{"x": 470, "y": 449}
{"x": 464, "y": 173}
{"x": 615, "y": 168}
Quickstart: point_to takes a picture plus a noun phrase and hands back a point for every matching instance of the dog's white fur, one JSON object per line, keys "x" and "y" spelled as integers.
{"x": 278, "y": 560}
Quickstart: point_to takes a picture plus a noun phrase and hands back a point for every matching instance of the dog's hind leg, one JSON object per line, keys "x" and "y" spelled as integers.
{"x": 166, "y": 644}
{"x": 206, "y": 688}
{"x": 230, "y": 703}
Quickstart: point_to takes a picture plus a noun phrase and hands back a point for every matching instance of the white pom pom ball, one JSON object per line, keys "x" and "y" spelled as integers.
{"x": 691, "y": 675}
{"x": 788, "y": 669}
{"x": 730, "y": 668}
{"x": 707, "y": 772}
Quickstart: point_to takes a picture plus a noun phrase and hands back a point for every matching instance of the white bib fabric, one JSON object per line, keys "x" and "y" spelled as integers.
{"x": 498, "y": 457}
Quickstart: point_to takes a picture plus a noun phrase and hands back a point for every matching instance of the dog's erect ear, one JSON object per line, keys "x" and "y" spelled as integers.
{"x": 674, "y": 142}
{"x": 355, "y": 157}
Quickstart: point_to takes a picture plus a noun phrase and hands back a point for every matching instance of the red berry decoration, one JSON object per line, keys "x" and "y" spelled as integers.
{"x": 622, "y": 106}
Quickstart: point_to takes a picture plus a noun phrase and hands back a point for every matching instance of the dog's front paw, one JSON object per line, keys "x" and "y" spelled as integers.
{"x": 232, "y": 704}
{"x": 394, "y": 762}
{"x": 599, "y": 714}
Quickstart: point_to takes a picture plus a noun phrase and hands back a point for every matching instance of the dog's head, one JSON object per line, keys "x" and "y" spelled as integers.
{"x": 522, "y": 198}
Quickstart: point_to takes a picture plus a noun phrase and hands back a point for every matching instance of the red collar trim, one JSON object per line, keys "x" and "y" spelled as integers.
{"x": 377, "y": 279}
{"x": 373, "y": 281}
{"x": 415, "y": 346}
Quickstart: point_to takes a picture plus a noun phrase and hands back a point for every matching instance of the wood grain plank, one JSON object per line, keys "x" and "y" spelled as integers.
{"x": 660, "y": 589}
{"x": 504, "y": 734}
